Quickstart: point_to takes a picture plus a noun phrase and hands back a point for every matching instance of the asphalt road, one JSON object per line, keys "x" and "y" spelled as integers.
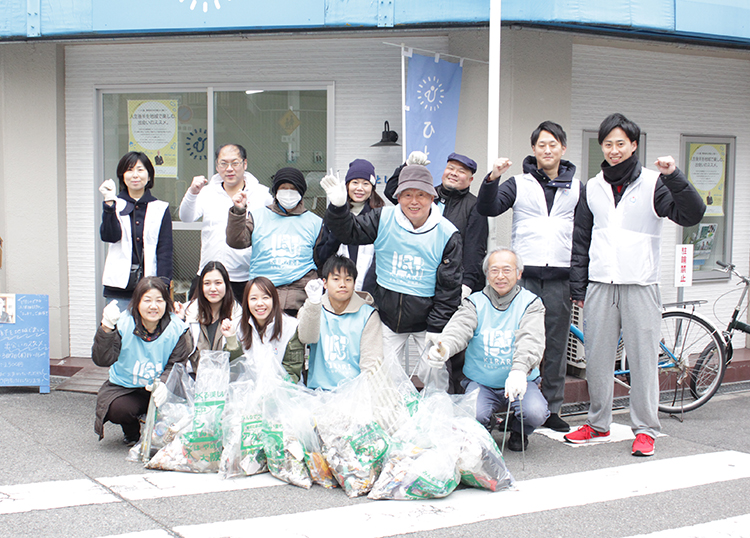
{"x": 57, "y": 479}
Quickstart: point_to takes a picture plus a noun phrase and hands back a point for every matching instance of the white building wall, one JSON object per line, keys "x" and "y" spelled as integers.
{"x": 574, "y": 80}
{"x": 32, "y": 173}
{"x": 367, "y": 77}
{"x": 670, "y": 93}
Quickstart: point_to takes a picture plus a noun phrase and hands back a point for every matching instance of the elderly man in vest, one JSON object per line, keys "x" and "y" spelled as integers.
{"x": 417, "y": 257}
{"x": 544, "y": 200}
{"x": 502, "y": 330}
{"x": 615, "y": 271}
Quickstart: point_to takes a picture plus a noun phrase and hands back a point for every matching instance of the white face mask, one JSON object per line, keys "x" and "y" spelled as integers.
{"x": 288, "y": 199}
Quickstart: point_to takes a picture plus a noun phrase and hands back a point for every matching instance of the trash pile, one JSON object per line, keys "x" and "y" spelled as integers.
{"x": 374, "y": 435}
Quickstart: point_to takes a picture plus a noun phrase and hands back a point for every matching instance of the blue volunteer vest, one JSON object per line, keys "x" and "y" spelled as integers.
{"x": 283, "y": 246}
{"x": 407, "y": 262}
{"x": 141, "y": 362}
{"x": 489, "y": 354}
{"x": 335, "y": 357}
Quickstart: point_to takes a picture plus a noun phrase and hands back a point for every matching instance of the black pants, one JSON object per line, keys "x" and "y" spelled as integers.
{"x": 125, "y": 410}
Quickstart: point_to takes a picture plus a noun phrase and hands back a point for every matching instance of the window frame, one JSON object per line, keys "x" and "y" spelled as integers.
{"x": 729, "y": 189}
{"x": 209, "y": 89}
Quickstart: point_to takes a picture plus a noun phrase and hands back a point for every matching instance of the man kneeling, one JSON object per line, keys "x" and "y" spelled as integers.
{"x": 502, "y": 330}
{"x": 341, "y": 326}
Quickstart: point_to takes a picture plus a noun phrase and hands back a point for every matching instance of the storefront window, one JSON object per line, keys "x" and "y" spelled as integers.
{"x": 179, "y": 132}
{"x": 708, "y": 162}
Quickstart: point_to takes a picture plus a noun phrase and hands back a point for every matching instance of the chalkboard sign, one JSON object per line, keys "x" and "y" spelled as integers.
{"x": 24, "y": 344}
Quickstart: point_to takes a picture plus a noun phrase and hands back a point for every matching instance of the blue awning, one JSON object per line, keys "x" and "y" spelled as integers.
{"x": 712, "y": 21}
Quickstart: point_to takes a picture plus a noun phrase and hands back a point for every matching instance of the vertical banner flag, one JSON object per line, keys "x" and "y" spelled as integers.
{"x": 433, "y": 89}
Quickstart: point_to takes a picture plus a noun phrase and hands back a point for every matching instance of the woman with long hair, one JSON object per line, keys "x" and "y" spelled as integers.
{"x": 140, "y": 346}
{"x": 265, "y": 331}
{"x": 361, "y": 198}
{"x": 213, "y": 316}
{"x": 137, "y": 227}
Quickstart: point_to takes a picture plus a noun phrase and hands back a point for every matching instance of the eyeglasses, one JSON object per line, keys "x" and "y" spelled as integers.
{"x": 506, "y": 271}
{"x": 223, "y": 165}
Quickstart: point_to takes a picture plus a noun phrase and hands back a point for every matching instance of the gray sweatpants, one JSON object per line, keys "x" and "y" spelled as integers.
{"x": 636, "y": 310}
{"x": 555, "y": 294}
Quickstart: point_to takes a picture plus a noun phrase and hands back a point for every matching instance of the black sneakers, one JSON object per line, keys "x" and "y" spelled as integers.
{"x": 517, "y": 442}
{"x": 554, "y": 422}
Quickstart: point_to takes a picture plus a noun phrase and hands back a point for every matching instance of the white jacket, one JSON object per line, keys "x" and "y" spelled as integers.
{"x": 274, "y": 349}
{"x": 542, "y": 238}
{"x": 625, "y": 240}
{"x": 213, "y": 203}
{"x": 119, "y": 255}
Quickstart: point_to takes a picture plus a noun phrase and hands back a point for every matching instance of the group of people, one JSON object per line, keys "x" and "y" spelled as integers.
{"x": 275, "y": 279}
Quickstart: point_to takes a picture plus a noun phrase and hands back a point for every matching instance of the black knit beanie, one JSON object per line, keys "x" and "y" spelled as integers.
{"x": 289, "y": 175}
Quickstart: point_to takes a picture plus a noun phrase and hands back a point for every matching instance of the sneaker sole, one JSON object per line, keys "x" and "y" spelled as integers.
{"x": 591, "y": 441}
{"x": 643, "y": 454}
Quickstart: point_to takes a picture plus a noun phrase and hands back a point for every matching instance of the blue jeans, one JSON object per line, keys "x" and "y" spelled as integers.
{"x": 490, "y": 401}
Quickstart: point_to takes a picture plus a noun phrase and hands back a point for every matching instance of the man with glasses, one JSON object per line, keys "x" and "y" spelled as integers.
{"x": 212, "y": 199}
{"x": 502, "y": 330}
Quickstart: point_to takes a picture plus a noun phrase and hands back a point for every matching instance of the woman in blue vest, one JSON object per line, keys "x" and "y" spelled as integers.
{"x": 138, "y": 228}
{"x": 361, "y": 199}
{"x": 140, "y": 346}
{"x": 265, "y": 331}
{"x": 213, "y": 316}
{"x": 282, "y": 235}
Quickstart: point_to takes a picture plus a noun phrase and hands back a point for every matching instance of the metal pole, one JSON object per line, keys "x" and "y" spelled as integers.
{"x": 493, "y": 89}
{"x": 403, "y": 105}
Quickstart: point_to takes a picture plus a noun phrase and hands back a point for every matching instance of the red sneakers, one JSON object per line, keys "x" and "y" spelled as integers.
{"x": 586, "y": 434}
{"x": 643, "y": 445}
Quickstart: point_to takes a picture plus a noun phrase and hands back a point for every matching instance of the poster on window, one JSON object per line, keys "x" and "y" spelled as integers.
{"x": 152, "y": 129}
{"x": 706, "y": 169}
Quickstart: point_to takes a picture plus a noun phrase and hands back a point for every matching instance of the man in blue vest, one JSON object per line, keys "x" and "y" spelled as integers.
{"x": 544, "y": 199}
{"x": 341, "y": 326}
{"x": 417, "y": 257}
{"x": 615, "y": 266}
{"x": 502, "y": 330}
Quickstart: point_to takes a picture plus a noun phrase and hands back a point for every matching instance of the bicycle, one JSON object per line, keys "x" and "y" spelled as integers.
{"x": 693, "y": 354}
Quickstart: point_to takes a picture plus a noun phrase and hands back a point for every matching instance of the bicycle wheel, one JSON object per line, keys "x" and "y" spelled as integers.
{"x": 691, "y": 362}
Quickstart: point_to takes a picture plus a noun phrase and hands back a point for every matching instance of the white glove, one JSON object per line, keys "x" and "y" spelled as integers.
{"x": 515, "y": 385}
{"x": 314, "y": 290}
{"x": 437, "y": 355}
{"x": 335, "y": 189}
{"x": 465, "y": 291}
{"x": 431, "y": 338}
{"x": 108, "y": 190}
{"x": 159, "y": 391}
{"x": 417, "y": 157}
{"x": 110, "y": 315}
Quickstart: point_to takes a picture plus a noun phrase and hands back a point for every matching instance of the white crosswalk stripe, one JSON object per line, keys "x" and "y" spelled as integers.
{"x": 172, "y": 484}
{"x": 468, "y": 506}
{"x": 48, "y": 495}
{"x": 388, "y": 518}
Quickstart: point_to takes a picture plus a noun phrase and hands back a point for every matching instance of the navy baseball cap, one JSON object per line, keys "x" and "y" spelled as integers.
{"x": 463, "y": 159}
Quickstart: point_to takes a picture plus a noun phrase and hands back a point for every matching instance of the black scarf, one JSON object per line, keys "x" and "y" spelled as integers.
{"x": 623, "y": 173}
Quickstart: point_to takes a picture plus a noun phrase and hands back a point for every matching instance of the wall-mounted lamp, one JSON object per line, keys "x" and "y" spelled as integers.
{"x": 388, "y": 138}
